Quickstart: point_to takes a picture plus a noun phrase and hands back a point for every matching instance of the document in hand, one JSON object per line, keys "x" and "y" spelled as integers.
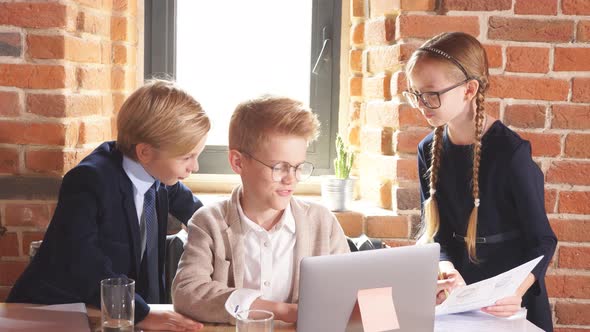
{"x": 486, "y": 292}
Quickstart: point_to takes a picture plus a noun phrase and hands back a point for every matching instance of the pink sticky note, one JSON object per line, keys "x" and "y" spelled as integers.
{"x": 377, "y": 309}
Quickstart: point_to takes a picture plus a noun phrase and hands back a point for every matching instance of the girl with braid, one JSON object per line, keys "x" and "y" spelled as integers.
{"x": 481, "y": 192}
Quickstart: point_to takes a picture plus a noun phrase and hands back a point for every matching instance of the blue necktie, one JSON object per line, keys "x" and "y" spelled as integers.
{"x": 151, "y": 244}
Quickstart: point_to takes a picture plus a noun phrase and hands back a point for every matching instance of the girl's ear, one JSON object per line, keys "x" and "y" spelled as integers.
{"x": 235, "y": 161}
{"x": 472, "y": 87}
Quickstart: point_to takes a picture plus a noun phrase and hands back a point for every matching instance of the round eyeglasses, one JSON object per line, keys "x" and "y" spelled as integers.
{"x": 430, "y": 99}
{"x": 282, "y": 169}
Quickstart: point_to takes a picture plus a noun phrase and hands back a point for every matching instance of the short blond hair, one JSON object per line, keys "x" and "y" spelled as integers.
{"x": 255, "y": 119}
{"x": 162, "y": 115}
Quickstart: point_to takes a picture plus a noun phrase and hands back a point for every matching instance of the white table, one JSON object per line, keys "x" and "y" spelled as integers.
{"x": 30, "y": 315}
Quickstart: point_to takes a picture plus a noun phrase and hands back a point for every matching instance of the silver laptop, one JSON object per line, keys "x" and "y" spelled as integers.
{"x": 328, "y": 287}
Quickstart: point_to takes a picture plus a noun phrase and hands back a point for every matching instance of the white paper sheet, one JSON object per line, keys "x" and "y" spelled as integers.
{"x": 486, "y": 292}
{"x": 50, "y": 318}
{"x": 482, "y": 322}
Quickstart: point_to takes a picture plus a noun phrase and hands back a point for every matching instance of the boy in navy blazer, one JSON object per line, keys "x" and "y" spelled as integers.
{"x": 111, "y": 216}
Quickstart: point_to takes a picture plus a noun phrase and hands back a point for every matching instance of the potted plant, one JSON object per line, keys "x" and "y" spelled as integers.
{"x": 337, "y": 190}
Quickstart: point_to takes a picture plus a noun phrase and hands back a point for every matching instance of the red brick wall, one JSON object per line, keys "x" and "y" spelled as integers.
{"x": 539, "y": 54}
{"x": 65, "y": 68}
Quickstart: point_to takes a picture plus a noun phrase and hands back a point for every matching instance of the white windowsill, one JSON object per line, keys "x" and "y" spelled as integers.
{"x": 225, "y": 183}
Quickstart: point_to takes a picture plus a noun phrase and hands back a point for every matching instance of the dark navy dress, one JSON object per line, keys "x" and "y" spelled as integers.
{"x": 511, "y": 212}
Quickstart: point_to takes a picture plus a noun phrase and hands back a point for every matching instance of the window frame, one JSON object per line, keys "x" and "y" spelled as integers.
{"x": 160, "y": 61}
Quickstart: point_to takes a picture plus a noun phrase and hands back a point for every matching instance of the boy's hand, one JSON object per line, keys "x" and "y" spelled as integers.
{"x": 165, "y": 320}
{"x": 287, "y": 312}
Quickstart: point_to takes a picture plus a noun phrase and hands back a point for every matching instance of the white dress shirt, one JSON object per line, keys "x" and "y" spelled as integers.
{"x": 268, "y": 260}
{"x": 141, "y": 181}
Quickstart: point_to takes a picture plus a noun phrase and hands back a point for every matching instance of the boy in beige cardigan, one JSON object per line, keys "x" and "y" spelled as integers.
{"x": 244, "y": 253}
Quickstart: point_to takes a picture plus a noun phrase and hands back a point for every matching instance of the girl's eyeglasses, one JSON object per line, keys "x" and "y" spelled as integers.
{"x": 430, "y": 99}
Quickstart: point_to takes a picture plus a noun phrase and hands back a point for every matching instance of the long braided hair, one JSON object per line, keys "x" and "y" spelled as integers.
{"x": 465, "y": 58}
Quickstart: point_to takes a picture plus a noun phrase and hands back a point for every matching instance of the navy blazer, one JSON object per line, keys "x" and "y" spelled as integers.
{"x": 94, "y": 234}
{"x": 511, "y": 191}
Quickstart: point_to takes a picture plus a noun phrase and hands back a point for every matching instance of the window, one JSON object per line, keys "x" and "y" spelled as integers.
{"x": 224, "y": 52}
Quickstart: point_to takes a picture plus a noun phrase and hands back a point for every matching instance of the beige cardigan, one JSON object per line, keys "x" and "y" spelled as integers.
{"x": 212, "y": 265}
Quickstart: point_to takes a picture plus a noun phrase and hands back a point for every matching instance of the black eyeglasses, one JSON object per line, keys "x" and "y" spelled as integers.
{"x": 282, "y": 169}
{"x": 430, "y": 99}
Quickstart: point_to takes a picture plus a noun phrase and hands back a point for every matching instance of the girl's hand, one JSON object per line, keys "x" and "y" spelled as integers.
{"x": 448, "y": 282}
{"x": 450, "y": 279}
{"x": 443, "y": 289}
{"x": 510, "y": 305}
{"x": 505, "y": 307}
{"x": 455, "y": 276}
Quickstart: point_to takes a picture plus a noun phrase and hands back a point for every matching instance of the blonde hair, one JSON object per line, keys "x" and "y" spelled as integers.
{"x": 467, "y": 58}
{"x": 255, "y": 119}
{"x": 162, "y": 115}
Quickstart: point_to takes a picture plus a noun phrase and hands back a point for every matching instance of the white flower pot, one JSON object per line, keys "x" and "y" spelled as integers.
{"x": 337, "y": 193}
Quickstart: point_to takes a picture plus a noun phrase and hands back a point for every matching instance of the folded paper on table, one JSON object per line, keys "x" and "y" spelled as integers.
{"x": 486, "y": 292}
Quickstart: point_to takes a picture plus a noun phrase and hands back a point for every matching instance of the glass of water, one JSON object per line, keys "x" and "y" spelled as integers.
{"x": 117, "y": 304}
{"x": 254, "y": 321}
